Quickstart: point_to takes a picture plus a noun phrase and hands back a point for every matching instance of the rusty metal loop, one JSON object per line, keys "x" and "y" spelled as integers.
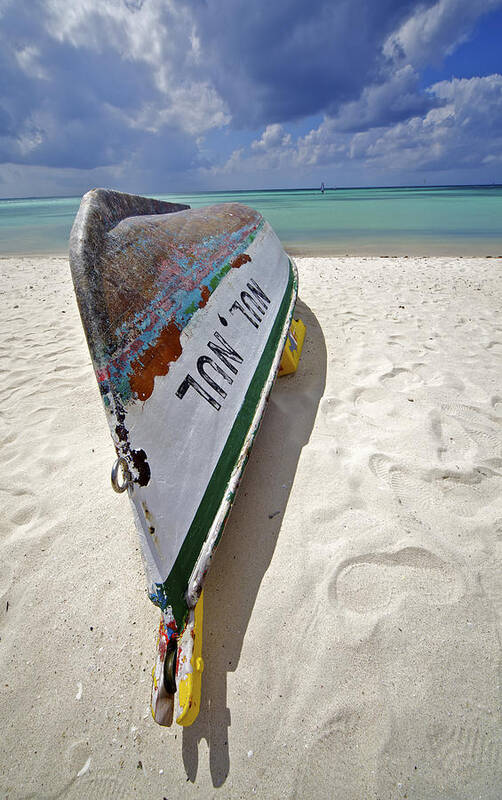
{"x": 119, "y": 466}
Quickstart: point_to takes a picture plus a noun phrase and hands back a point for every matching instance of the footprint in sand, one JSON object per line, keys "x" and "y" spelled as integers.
{"x": 387, "y": 402}
{"x": 377, "y": 405}
{"x": 470, "y": 415}
{"x": 86, "y": 783}
{"x": 489, "y": 443}
{"x": 99, "y": 787}
{"x": 52, "y": 459}
{"x": 21, "y": 507}
{"x": 340, "y": 740}
{"x": 423, "y": 492}
{"x": 496, "y": 403}
{"x": 375, "y": 581}
{"x": 331, "y": 407}
{"x": 400, "y": 379}
{"x": 453, "y": 443}
{"x": 482, "y": 429}
{"x": 25, "y": 513}
{"x": 467, "y": 747}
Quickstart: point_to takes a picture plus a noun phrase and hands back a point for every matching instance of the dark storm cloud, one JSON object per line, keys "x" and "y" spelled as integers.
{"x": 69, "y": 104}
{"x": 277, "y": 61}
{"x": 65, "y": 104}
{"x": 77, "y": 93}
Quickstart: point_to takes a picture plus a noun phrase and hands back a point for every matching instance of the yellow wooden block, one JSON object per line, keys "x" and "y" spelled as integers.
{"x": 190, "y": 688}
{"x": 293, "y": 348}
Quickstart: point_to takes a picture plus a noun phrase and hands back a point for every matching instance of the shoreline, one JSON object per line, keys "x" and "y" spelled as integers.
{"x": 301, "y": 252}
{"x": 318, "y": 253}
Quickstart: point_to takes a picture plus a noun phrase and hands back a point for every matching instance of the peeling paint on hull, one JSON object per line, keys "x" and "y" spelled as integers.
{"x": 186, "y": 313}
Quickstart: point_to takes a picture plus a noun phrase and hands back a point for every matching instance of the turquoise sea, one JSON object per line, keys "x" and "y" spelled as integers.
{"x": 459, "y": 220}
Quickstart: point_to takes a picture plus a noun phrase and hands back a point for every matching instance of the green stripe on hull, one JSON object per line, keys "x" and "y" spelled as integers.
{"x": 172, "y": 591}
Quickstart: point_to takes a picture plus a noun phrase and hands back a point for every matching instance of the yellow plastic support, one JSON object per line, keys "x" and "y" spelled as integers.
{"x": 190, "y": 688}
{"x": 293, "y": 348}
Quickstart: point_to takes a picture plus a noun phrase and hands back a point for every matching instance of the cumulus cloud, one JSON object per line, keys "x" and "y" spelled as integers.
{"x": 445, "y": 137}
{"x": 431, "y": 33}
{"x": 273, "y": 137}
{"x": 273, "y": 150}
{"x": 465, "y": 132}
{"x": 137, "y": 90}
{"x": 394, "y": 100}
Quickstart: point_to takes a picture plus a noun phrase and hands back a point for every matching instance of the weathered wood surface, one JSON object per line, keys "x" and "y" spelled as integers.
{"x": 186, "y": 313}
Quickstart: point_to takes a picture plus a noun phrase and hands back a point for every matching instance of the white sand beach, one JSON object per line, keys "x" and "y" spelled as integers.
{"x": 353, "y": 612}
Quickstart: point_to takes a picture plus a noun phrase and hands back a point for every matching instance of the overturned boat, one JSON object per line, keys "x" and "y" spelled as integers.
{"x": 186, "y": 313}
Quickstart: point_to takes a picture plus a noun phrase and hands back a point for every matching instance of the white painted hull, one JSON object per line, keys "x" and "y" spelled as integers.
{"x": 186, "y": 316}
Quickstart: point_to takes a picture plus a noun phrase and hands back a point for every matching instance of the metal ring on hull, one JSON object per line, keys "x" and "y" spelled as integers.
{"x": 119, "y": 466}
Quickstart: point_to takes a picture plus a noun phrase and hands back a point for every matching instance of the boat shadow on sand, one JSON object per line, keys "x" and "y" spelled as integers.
{"x": 248, "y": 544}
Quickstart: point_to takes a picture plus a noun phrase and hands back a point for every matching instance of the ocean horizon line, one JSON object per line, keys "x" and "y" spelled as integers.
{"x": 261, "y": 191}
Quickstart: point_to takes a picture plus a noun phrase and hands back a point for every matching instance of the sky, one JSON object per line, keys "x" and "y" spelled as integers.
{"x": 160, "y": 96}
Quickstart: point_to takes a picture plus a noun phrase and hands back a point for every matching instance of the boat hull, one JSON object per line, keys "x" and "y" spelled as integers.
{"x": 186, "y": 313}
